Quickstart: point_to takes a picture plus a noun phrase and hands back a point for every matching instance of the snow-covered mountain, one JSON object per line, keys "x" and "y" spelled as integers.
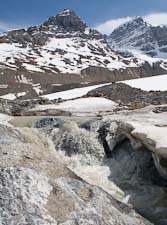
{"x": 62, "y": 44}
{"x": 139, "y": 35}
{"x": 60, "y": 54}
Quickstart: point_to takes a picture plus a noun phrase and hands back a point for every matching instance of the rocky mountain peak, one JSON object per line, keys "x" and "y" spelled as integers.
{"x": 138, "y": 20}
{"x": 140, "y": 35}
{"x": 66, "y": 20}
{"x": 65, "y": 24}
{"x": 136, "y": 23}
{"x": 135, "y": 34}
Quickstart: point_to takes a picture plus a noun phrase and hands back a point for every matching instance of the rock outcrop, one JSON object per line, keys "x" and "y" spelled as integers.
{"x": 129, "y": 96}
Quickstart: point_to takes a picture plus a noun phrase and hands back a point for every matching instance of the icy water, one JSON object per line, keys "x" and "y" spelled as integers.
{"x": 134, "y": 172}
{"x": 129, "y": 175}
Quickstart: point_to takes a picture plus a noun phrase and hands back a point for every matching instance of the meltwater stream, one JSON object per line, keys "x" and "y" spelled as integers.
{"x": 135, "y": 173}
{"x": 129, "y": 173}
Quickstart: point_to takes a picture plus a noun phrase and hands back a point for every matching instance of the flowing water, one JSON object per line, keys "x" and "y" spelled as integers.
{"x": 134, "y": 172}
{"x": 128, "y": 174}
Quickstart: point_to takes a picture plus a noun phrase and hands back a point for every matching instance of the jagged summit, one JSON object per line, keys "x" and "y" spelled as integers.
{"x": 66, "y": 12}
{"x": 135, "y": 23}
{"x": 66, "y": 20}
{"x": 64, "y": 24}
{"x": 138, "y": 20}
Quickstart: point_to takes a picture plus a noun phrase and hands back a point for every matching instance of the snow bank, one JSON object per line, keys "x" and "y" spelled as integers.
{"x": 153, "y": 137}
{"x": 74, "y": 93}
{"x": 82, "y": 105}
{"x": 156, "y": 83}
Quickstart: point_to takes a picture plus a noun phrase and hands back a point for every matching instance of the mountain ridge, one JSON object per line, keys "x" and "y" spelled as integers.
{"x": 63, "y": 53}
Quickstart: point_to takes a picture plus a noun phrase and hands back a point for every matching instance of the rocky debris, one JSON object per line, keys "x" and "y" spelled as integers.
{"x": 120, "y": 93}
{"x": 6, "y": 106}
{"x": 132, "y": 97}
{"x": 16, "y": 107}
{"x": 137, "y": 34}
{"x": 91, "y": 75}
{"x": 24, "y": 107}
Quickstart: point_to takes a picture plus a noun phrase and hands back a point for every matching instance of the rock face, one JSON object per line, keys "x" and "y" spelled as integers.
{"x": 67, "y": 21}
{"x": 139, "y": 35}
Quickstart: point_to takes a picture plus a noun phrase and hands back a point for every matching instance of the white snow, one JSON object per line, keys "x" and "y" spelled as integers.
{"x": 37, "y": 88}
{"x": 12, "y": 96}
{"x": 149, "y": 127}
{"x": 32, "y": 67}
{"x": 92, "y": 104}
{"x": 68, "y": 55}
{"x": 9, "y": 96}
{"x": 21, "y": 94}
{"x": 156, "y": 134}
{"x": 156, "y": 83}
{"x": 4, "y": 86}
{"x": 74, "y": 93}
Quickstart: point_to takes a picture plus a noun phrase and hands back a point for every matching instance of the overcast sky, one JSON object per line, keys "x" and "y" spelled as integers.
{"x": 103, "y": 14}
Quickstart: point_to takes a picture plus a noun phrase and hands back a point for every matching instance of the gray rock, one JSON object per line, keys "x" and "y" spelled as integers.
{"x": 27, "y": 197}
{"x": 49, "y": 123}
{"x": 129, "y": 96}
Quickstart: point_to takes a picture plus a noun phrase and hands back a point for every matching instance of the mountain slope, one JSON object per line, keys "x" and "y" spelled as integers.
{"x": 62, "y": 44}
{"x": 60, "y": 54}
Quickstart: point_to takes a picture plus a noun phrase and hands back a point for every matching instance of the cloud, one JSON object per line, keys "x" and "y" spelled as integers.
{"x": 7, "y": 26}
{"x": 154, "y": 19}
{"x": 108, "y": 26}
